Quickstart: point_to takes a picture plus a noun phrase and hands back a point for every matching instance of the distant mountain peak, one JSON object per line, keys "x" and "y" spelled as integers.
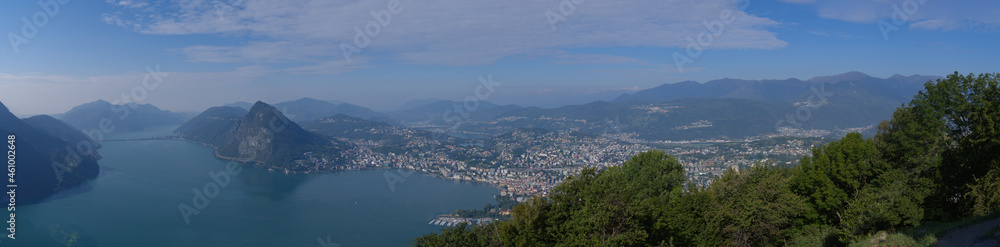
{"x": 854, "y": 74}
{"x": 263, "y": 135}
{"x": 134, "y": 117}
{"x": 259, "y": 105}
{"x": 96, "y": 103}
{"x": 241, "y": 104}
{"x": 263, "y": 112}
{"x": 417, "y": 103}
{"x": 314, "y": 101}
{"x": 899, "y": 76}
{"x": 306, "y": 109}
{"x": 789, "y": 90}
{"x": 849, "y": 76}
{"x": 310, "y": 100}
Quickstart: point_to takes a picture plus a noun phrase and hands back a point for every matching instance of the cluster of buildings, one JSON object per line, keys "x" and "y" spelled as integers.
{"x": 524, "y": 163}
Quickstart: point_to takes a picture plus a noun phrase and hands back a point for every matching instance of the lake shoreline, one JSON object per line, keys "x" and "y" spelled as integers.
{"x": 215, "y": 151}
{"x": 139, "y": 201}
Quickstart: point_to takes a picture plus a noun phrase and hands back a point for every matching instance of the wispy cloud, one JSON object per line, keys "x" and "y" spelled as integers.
{"x": 128, "y": 3}
{"x": 328, "y": 67}
{"x": 257, "y": 52}
{"x": 927, "y": 15}
{"x": 937, "y": 25}
{"x": 799, "y": 1}
{"x": 839, "y": 34}
{"x": 446, "y": 32}
{"x": 567, "y": 58}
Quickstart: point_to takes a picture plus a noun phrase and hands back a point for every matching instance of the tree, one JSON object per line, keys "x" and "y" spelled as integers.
{"x": 685, "y": 219}
{"x": 754, "y": 207}
{"x": 619, "y": 206}
{"x": 949, "y": 137}
{"x": 852, "y": 188}
{"x": 888, "y": 203}
{"x": 984, "y": 193}
{"x": 835, "y": 174}
{"x": 937, "y": 156}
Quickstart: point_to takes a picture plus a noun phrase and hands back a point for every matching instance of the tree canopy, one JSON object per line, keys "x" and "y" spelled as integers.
{"x": 937, "y": 158}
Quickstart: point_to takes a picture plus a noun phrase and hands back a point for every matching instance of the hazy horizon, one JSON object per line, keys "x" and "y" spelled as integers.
{"x": 526, "y": 100}
{"x": 382, "y": 54}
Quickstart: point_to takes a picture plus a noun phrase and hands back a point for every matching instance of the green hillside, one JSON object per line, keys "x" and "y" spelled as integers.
{"x": 48, "y": 157}
{"x": 262, "y": 136}
{"x": 934, "y": 161}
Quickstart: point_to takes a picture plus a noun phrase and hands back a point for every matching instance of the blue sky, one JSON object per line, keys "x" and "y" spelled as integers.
{"x": 215, "y": 52}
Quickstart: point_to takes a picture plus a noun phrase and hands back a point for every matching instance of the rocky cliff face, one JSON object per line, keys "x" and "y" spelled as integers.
{"x": 263, "y": 136}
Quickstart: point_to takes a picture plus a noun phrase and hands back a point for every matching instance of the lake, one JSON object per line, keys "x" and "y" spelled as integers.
{"x": 136, "y": 201}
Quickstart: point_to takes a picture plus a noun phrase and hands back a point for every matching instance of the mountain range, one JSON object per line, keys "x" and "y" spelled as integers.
{"x": 125, "y": 118}
{"x": 688, "y": 110}
{"x": 724, "y": 109}
{"x": 719, "y": 109}
{"x": 49, "y": 156}
{"x": 438, "y": 112}
{"x": 307, "y": 109}
{"x": 897, "y": 88}
{"x": 55, "y": 154}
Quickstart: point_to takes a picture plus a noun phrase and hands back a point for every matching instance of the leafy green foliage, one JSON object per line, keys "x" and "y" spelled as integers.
{"x": 852, "y": 188}
{"x": 489, "y": 210}
{"x": 947, "y": 136}
{"x": 936, "y": 159}
{"x": 835, "y": 174}
{"x": 617, "y": 206}
{"x": 985, "y": 193}
{"x": 754, "y": 207}
{"x": 817, "y": 235}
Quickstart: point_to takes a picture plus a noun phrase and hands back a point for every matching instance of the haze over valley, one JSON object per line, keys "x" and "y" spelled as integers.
{"x": 500, "y": 123}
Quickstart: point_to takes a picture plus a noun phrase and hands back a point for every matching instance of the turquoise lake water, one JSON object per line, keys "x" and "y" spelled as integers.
{"x": 136, "y": 199}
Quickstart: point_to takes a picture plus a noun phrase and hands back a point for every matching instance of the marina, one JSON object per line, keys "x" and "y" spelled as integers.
{"x": 452, "y": 220}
